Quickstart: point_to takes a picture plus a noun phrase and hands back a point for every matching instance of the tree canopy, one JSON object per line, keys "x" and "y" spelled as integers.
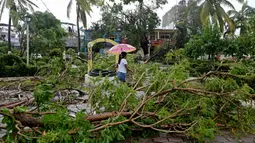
{"x": 46, "y": 32}
{"x": 139, "y": 21}
{"x": 240, "y": 18}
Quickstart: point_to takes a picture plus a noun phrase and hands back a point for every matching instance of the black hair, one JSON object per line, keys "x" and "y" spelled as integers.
{"x": 122, "y": 55}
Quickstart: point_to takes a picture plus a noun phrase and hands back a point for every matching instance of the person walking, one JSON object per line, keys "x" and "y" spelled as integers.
{"x": 122, "y": 67}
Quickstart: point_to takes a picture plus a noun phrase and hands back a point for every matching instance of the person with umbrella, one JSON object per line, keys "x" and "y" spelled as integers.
{"x": 121, "y": 62}
{"x": 122, "y": 67}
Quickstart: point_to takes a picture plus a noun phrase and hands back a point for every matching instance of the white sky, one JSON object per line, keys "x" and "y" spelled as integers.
{"x": 58, "y": 8}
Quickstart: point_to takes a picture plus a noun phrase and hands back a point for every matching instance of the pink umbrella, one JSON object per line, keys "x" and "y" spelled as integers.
{"x": 117, "y": 49}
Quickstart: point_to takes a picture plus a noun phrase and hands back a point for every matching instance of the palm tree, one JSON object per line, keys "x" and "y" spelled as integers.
{"x": 241, "y": 17}
{"x": 214, "y": 11}
{"x": 83, "y": 7}
{"x": 14, "y": 6}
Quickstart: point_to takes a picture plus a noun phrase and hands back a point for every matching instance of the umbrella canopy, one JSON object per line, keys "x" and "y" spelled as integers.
{"x": 117, "y": 49}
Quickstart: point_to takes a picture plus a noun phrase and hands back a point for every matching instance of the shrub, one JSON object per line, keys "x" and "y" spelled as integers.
{"x": 3, "y": 50}
{"x": 12, "y": 66}
{"x": 10, "y": 59}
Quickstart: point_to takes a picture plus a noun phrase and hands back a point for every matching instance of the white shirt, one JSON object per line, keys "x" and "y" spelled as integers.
{"x": 121, "y": 67}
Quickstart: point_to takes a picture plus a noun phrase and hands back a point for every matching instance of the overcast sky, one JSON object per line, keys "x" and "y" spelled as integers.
{"x": 58, "y": 8}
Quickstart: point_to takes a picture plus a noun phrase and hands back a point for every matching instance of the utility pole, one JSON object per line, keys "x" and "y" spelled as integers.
{"x": 27, "y": 20}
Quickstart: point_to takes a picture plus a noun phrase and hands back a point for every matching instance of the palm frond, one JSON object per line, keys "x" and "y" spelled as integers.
{"x": 31, "y": 8}
{"x": 2, "y": 2}
{"x": 220, "y": 21}
{"x": 15, "y": 17}
{"x": 22, "y": 7}
{"x": 244, "y": 6}
{"x": 205, "y": 12}
{"x": 83, "y": 18}
{"x": 22, "y": 2}
{"x": 227, "y": 4}
{"x": 85, "y": 6}
{"x": 31, "y": 3}
{"x": 226, "y": 18}
{"x": 69, "y": 8}
{"x": 233, "y": 13}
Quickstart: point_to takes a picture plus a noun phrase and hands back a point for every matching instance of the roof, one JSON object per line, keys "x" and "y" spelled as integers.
{"x": 67, "y": 23}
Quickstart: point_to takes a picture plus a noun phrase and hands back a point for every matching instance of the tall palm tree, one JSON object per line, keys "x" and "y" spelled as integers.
{"x": 214, "y": 11}
{"x": 241, "y": 17}
{"x": 83, "y": 8}
{"x": 14, "y": 6}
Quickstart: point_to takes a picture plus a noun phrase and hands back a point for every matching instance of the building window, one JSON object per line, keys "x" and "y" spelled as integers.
{"x": 165, "y": 35}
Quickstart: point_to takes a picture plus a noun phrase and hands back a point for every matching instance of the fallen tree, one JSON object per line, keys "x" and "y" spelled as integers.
{"x": 197, "y": 107}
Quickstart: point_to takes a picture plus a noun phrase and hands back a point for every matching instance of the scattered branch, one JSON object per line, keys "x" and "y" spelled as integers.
{"x": 141, "y": 77}
{"x": 39, "y": 114}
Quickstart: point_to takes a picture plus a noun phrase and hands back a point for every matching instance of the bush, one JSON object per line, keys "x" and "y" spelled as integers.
{"x": 13, "y": 66}
{"x": 3, "y": 50}
{"x": 10, "y": 60}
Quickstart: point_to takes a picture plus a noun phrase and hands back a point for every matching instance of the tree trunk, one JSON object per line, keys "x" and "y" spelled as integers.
{"x": 30, "y": 121}
{"x": 9, "y": 33}
{"x": 78, "y": 28}
{"x": 21, "y": 35}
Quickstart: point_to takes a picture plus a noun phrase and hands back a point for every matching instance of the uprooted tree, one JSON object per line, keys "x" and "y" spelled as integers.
{"x": 168, "y": 101}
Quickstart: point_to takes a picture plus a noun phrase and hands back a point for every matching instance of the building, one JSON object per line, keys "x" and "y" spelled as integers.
{"x": 159, "y": 36}
{"x": 4, "y": 35}
{"x": 71, "y": 39}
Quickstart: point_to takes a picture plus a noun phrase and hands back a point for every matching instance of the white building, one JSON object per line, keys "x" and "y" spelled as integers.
{"x": 4, "y": 35}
